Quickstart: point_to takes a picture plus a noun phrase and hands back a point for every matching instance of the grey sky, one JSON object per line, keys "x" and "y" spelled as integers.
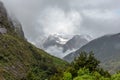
{"x": 44, "y": 17}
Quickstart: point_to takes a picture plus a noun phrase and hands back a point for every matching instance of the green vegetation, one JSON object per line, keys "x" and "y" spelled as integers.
{"x": 21, "y": 60}
{"x": 85, "y": 67}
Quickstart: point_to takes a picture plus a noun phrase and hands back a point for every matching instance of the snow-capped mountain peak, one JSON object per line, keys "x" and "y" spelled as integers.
{"x": 59, "y": 38}
{"x": 60, "y": 44}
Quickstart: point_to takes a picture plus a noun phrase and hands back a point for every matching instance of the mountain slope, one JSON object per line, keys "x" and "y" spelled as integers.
{"x": 75, "y": 43}
{"x": 19, "y": 60}
{"x": 17, "y": 57}
{"x": 106, "y": 49}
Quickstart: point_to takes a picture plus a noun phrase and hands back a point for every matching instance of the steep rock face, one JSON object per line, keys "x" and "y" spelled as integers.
{"x": 4, "y": 20}
{"x": 106, "y": 49}
{"x": 8, "y": 24}
{"x": 3, "y": 30}
{"x": 3, "y": 11}
{"x": 18, "y": 27}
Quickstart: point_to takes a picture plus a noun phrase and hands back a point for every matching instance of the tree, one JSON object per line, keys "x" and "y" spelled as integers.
{"x": 84, "y": 67}
{"x": 84, "y": 77}
{"x": 116, "y": 76}
{"x": 86, "y": 60}
{"x": 83, "y": 71}
{"x": 67, "y": 76}
{"x": 72, "y": 70}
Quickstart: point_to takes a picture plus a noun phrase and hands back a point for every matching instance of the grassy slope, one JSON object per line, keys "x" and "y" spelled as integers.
{"x": 18, "y": 58}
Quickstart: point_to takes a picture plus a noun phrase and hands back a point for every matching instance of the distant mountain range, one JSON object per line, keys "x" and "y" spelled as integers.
{"x": 106, "y": 49}
{"x": 60, "y": 45}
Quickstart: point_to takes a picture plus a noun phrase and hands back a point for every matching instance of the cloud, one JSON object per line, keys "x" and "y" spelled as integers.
{"x": 42, "y": 17}
{"x": 99, "y": 22}
{"x": 58, "y": 52}
{"x": 56, "y": 20}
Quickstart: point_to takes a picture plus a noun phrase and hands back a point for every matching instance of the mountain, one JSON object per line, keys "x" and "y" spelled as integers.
{"x": 53, "y": 44}
{"x": 55, "y": 40}
{"x": 76, "y": 42}
{"x": 18, "y": 27}
{"x": 20, "y": 60}
{"x": 60, "y": 45}
{"x": 106, "y": 49}
{"x": 7, "y": 22}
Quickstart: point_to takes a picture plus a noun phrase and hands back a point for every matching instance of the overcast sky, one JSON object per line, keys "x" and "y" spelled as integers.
{"x": 44, "y": 17}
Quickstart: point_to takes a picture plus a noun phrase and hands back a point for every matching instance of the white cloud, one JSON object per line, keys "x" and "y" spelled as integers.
{"x": 100, "y": 14}
{"x": 56, "y": 20}
{"x": 57, "y": 51}
{"x": 98, "y": 17}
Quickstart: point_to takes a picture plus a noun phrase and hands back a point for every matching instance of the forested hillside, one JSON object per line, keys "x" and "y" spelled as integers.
{"x": 85, "y": 67}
